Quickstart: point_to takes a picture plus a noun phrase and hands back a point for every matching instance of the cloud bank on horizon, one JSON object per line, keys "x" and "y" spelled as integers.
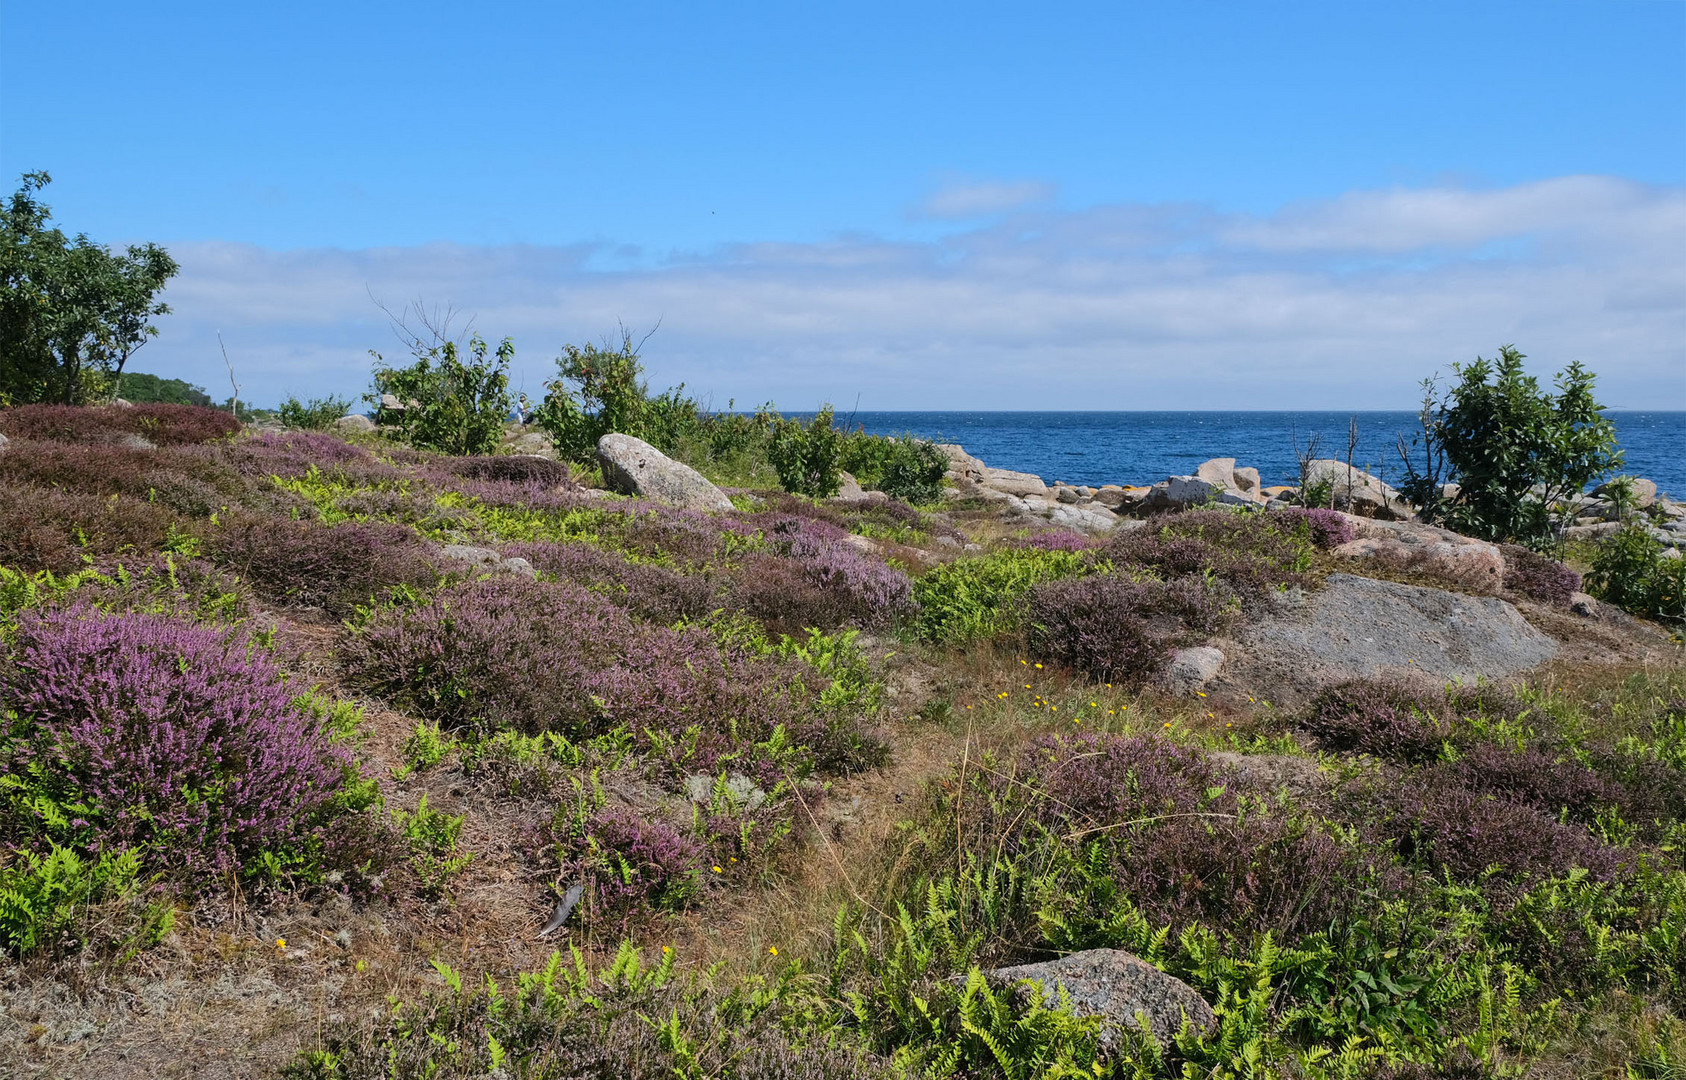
{"x": 1337, "y": 303}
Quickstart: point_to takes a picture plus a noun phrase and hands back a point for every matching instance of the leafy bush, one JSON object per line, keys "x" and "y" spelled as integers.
{"x": 1514, "y": 451}
{"x": 907, "y": 467}
{"x": 979, "y": 597}
{"x": 599, "y": 390}
{"x": 312, "y": 415}
{"x": 141, "y": 388}
{"x": 1538, "y": 577}
{"x": 1115, "y": 629}
{"x": 450, "y": 404}
{"x": 807, "y": 455}
{"x": 146, "y": 732}
{"x": 164, "y": 425}
{"x": 55, "y": 901}
{"x": 336, "y": 567}
{"x": 1630, "y": 571}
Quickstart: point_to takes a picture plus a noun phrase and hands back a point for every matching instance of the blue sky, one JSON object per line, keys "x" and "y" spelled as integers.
{"x": 1163, "y": 205}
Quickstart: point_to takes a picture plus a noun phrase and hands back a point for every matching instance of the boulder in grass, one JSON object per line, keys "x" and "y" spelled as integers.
{"x": 1438, "y": 552}
{"x": 634, "y": 467}
{"x": 1191, "y": 669}
{"x": 1644, "y": 492}
{"x": 353, "y": 424}
{"x": 3, "y": 441}
{"x": 1126, "y": 992}
{"x": 1009, "y": 482}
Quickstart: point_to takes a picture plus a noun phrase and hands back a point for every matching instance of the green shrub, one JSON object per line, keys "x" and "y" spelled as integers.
{"x": 1631, "y": 572}
{"x": 315, "y": 414}
{"x": 433, "y": 846}
{"x": 47, "y": 901}
{"x": 137, "y": 387}
{"x": 907, "y": 467}
{"x": 1514, "y": 451}
{"x": 979, "y": 598}
{"x": 806, "y": 455}
{"x": 449, "y": 404}
{"x": 599, "y": 390}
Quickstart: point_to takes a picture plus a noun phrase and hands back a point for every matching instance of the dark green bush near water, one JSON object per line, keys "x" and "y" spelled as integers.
{"x": 906, "y": 467}
{"x": 1514, "y": 451}
{"x": 1631, "y": 571}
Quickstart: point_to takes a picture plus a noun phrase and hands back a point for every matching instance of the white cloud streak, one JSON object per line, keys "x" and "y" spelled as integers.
{"x": 1344, "y": 303}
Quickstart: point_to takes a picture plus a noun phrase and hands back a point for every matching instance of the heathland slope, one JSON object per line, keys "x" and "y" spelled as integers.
{"x": 332, "y": 757}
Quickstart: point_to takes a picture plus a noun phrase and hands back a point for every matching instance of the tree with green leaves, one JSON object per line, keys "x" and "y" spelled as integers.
{"x": 446, "y": 401}
{"x": 1517, "y": 453}
{"x": 72, "y": 311}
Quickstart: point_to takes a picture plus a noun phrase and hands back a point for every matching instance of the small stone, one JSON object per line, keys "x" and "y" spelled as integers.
{"x": 1191, "y": 669}
{"x": 1115, "y": 986}
{"x": 1582, "y": 604}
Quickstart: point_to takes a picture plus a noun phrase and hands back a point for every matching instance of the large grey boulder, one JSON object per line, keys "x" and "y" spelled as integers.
{"x": 1189, "y": 670}
{"x": 1123, "y": 990}
{"x": 1185, "y": 492}
{"x": 1009, "y": 482}
{"x": 1357, "y": 627}
{"x": 961, "y": 465}
{"x": 1356, "y": 491}
{"x": 634, "y": 467}
{"x": 353, "y": 424}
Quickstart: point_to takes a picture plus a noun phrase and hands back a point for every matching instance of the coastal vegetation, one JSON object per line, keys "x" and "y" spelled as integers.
{"x": 402, "y": 746}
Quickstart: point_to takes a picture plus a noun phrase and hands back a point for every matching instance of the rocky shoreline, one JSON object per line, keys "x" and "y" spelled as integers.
{"x": 1222, "y": 482}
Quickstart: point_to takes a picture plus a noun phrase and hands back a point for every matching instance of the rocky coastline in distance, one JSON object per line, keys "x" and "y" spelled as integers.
{"x": 1222, "y": 482}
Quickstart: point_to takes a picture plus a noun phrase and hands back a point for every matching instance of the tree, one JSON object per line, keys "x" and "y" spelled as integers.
{"x": 1515, "y": 452}
{"x": 72, "y": 312}
{"x": 445, "y": 402}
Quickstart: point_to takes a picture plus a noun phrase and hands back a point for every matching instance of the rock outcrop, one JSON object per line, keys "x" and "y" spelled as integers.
{"x": 634, "y": 467}
{"x": 1440, "y": 552}
{"x": 354, "y": 424}
{"x": 1357, "y": 627}
{"x": 1190, "y": 670}
{"x": 1123, "y": 990}
{"x": 485, "y": 560}
{"x": 1357, "y": 492}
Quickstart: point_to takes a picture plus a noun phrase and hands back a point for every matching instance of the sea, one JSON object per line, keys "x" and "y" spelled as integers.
{"x": 1098, "y": 448}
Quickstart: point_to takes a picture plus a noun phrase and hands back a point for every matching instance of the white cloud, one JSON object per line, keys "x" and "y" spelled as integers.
{"x": 962, "y": 199}
{"x": 1339, "y": 304}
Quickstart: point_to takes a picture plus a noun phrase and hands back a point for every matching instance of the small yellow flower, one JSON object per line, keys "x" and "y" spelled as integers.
{"x": 734, "y": 858}
{"x": 1167, "y": 723}
{"x": 1038, "y": 665}
{"x": 1027, "y": 686}
{"x": 280, "y": 943}
{"x": 773, "y": 949}
{"x": 717, "y": 870}
{"x": 1202, "y": 693}
{"x": 667, "y": 950}
{"x": 1056, "y": 708}
{"x": 1092, "y": 705}
{"x": 1021, "y": 662}
{"x": 1211, "y": 716}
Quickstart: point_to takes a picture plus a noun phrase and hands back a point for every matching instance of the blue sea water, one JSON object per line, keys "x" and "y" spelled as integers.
{"x": 1144, "y": 447}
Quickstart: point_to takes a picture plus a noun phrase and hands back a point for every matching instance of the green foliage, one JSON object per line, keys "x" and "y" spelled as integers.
{"x": 907, "y": 467}
{"x": 975, "y": 598}
{"x": 72, "y": 312}
{"x": 426, "y": 747}
{"x": 450, "y": 404}
{"x": 1514, "y": 450}
{"x": 140, "y": 388}
{"x": 49, "y": 902}
{"x": 806, "y": 455}
{"x": 1631, "y": 571}
{"x": 433, "y": 846}
{"x": 315, "y": 414}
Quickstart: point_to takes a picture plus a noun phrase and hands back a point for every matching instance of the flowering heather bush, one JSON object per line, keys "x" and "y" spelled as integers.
{"x": 1059, "y": 540}
{"x": 295, "y": 453}
{"x": 1249, "y": 552}
{"x": 818, "y": 578}
{"x": 1328, "y": 528}
{"x": 335, "y": 567}
{"x": 1181, "y": 843}
{"x": 190, "y": 479}
{"x": 641, "y": 861}
{"x": 43, "y": 529}
{"x": 1538, "y": 577}
{"x": 165, "y": 425}
{"x": 1389, "y": 720}
{"x": 1448, "y": 827}
{"x": 542, "y": 656}
{"x": 653, "y": 593}
{"x": 1545, "y": 781}
{"x": 522, "y": 469}
{"x": 1117, "y": 630}
{"x": 148, "y": 732}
